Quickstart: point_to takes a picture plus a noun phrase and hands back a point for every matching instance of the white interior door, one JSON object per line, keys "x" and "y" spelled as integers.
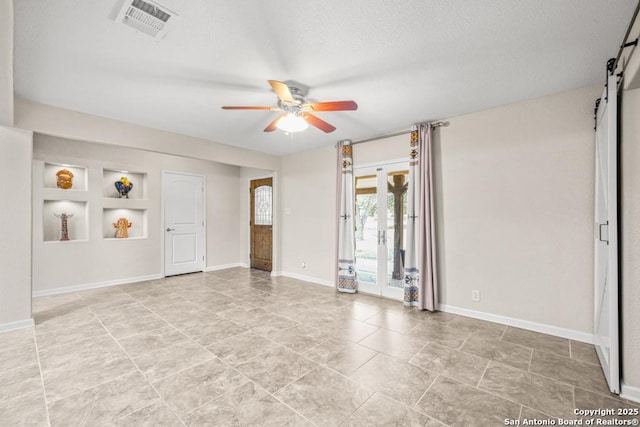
{"x": 184, "y": 228}
{"x": 381, "y": 221}
{"x": 606, "y": 237}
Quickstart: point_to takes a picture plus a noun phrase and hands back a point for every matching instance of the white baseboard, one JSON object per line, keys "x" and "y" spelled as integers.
{"x": 225, "y": 266}
{"x": 519, "y": 323}
{"x": 630, "y": 392}
{"x": 305, "y": 278}
{"x": 87, "y": 286}
{"x": 19, "y": 324}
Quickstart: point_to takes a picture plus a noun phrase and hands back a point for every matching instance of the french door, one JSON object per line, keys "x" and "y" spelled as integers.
{"x": 381, "y": 220}
{"x": 605, "y": 329}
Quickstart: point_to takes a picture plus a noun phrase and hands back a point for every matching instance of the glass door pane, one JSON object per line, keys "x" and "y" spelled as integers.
{"x": 396, "y": 182}
{"x": 366, "y": 221}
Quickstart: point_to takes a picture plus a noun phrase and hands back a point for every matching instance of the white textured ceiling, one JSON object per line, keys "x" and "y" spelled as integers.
{"x": 403, "y": 61}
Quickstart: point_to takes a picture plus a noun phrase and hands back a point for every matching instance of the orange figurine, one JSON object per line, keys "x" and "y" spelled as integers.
{"x": 122, "y": 228}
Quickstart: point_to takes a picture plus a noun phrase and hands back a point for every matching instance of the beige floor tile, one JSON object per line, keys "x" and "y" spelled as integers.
{"x": 136, "y": 326}
{"x": 478, "y": 327}
{"x": 272, "y": 323}
{"x": 454, "y": 364}
{"x": 438, "y": 333}
{"x": 209, "y": 328}
{"x": 457, "y": 404}
{"x": 247, "y": 405}
{"x": 276, "y": 368}
{"x": 82, "y": 374}
{"x": 104, "y": 403}
{"x": 379, "y": 410}
{"x": 154, "y": 415}
{"x": 391, "y": 343}
{"x": 241, "y": 348}
{"x": 531, "y": 390}
{"x": 68, "y": 354}
{"x": 193, "y": 387}
{"x": 358, "y": 311}
{"x": 25, "y": 410}
{"x": 164, "y": 352}
{"x": 501, "y": 351}
{"x": 324, "y": 397}
{"x": 19, "y": 381}
{"x": 351, "y": 330}
{"x": 130, "y": 312}
{"x": 393, "y": 321}
{"x": 537, "y": 341}
{"x": 584, "y": 352}
{"x": 399, "y": 380}
{"x": 574, "y": 372}
{"x": 299, "y": 338}
{"x": 343, "y": 356}
{"x": 17, "y": 351}
{"x": 69, "y": 330}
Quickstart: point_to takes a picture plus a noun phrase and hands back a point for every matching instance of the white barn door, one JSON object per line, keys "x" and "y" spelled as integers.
{"x": 606, "y": 236}
{"x": 184, "y": 230}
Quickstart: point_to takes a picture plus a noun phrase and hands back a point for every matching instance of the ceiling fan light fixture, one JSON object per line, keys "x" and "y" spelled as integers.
{"x": 292, "y": 123}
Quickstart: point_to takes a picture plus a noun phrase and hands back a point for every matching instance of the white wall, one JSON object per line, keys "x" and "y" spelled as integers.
{"x": 65, "y": 264}
{"x": 15, "y": 217}
{"x": 630, "y": 241}
{"x": 514, "y": 209}
{"x": 307, "y": 212}
{"x": 6, "y": 63}
{"x": 64, "y": 123}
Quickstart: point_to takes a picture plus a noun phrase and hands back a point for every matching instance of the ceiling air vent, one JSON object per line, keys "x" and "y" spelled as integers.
{"x": 146, "y": 16}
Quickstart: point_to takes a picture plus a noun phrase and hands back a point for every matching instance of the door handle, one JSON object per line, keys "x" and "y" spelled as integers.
{"x": 384, "y": 237}
{"x": 171, "y": 229}
{"x": 600, "y": 232}
{"x": 378, "y": 236}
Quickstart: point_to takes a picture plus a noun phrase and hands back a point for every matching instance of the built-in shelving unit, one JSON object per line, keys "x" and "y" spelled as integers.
{"x": 92, "y": 195}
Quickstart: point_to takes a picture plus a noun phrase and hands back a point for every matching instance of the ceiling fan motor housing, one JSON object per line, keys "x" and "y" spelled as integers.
{"x": 294, "y": 107}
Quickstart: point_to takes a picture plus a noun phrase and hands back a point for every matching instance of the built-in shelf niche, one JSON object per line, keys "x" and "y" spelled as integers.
{"x": 110, "y": 176}
{"x": 76, "y": 225}
{"x": 137, "y": 218}
{"x": 50, "y": 179}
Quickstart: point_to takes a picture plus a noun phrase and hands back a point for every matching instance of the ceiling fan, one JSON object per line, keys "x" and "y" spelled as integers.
{"x": 296, "y": 110}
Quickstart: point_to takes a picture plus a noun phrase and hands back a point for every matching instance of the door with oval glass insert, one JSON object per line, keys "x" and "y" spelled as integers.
{"x": 261, "y": 223}
{"x": 381, "y": 220}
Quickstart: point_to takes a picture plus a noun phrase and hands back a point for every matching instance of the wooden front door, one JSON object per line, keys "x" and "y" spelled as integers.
{"x": 261, "y": 223}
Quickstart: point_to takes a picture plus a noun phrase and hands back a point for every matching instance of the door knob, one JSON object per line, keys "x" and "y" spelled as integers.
{"x": 171, "y": 229}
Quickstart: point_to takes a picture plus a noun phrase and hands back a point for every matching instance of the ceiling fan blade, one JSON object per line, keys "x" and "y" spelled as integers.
{"x": 272, "y": 125}
{"x": 282, "y": 90}
{"x": 332, "y": 106}
{"x": 250, "y": 107}
{"x": 318, "y": 122}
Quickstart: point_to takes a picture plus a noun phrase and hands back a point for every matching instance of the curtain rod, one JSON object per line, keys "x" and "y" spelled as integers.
{"x": 437, "y": 124}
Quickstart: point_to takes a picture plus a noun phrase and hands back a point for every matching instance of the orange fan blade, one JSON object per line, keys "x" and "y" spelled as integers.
{"x": 333, "y": 106}
{"x": 318, "y": 122}
{"x": 250, "y": 107}
{"x": 282, "y": 90}
{"x": 272, "y": 125}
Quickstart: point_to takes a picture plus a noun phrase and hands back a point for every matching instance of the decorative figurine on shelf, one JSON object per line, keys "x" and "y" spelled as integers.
{"x": 122, "y": 228}
{"x": 64, "y": 226}
{"x": 65, "y": 179}
{"x": 123, "y": 186}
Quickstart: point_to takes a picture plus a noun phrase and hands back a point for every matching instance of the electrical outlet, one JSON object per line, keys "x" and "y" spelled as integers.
{"x": 304, "y": 265}
{"x": 475, "y": 295}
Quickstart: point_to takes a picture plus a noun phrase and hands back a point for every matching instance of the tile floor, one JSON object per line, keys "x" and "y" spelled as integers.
{"x": 237, "y": 347}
